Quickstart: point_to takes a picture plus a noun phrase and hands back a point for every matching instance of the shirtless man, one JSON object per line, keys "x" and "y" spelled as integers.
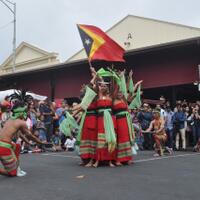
{"x": 9, "y": 151}
{"x": 157, "y": 128}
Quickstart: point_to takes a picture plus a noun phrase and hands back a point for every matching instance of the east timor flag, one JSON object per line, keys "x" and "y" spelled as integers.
{"x": 98, "y": 45}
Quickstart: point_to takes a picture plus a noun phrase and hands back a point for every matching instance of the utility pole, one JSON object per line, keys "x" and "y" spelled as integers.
{"x": 13, "y": 10}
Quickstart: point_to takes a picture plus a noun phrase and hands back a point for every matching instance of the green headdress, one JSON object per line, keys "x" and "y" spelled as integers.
{"x": 156, "y": 110}
{"x": 111, "y": 73}
{"x": 19, "y": 112}
{"x": 103, "y": 73}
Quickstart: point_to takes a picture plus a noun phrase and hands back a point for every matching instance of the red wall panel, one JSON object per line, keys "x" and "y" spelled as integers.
{"x": 68, "y": 82}
{"x": 166, "y": 70}
{"x": 37, "y": 83}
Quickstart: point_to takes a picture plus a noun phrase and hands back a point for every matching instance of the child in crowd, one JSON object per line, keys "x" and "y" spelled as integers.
{"x": 25, "y": 148}
{"x": 40, "y": 128}
{"x": 56, "y": 139}
{"x": 40, "y": 132}
{"x": 70, "y": 143}
{"x": 139, "y": 139}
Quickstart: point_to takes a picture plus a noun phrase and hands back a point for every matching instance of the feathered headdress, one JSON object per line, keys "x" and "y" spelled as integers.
{"x": 20, "y": 102}
{"x": 21, "y": 96}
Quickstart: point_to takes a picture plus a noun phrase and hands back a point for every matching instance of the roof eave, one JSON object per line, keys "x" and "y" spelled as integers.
{"x": 190, "y": 41}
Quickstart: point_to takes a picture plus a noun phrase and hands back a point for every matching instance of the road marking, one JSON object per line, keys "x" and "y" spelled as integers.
{"x": 166, "y": 157}
{"x": 136, "y": 161}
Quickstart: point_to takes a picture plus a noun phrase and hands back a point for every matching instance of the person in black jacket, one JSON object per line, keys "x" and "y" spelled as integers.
{"x": 145, "y": 118}
{"x": 195, "y": 116}
{"x": 179, "y": 121}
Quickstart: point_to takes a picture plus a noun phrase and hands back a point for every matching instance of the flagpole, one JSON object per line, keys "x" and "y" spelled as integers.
{"x": 90, "y": 64}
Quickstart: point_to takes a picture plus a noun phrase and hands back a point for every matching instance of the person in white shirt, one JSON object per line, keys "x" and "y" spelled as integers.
{"x": 169, "y": 129}
{"x": 70, "y": 143}
{"x": 163, "y": 113}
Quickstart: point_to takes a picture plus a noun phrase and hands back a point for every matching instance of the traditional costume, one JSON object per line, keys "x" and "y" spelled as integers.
{"x": 124, "y": 127}
{"x": 9, "y": 156}
{"x": 124, "y": 131}
{"x": 88, "y": 140}
{"x": 9, "y": 151}
{"x": 159, "y": 137}
{"x": 105, "y": 129}
{"x": 68, "y": 124}
{"x": 87, "y": 136}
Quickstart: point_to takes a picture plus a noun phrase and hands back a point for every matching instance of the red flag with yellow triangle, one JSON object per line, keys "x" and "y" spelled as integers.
{"x": 98, "y": 45}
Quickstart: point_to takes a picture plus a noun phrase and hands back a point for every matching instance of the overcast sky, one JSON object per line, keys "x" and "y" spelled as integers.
{"x": 51, "y": 24}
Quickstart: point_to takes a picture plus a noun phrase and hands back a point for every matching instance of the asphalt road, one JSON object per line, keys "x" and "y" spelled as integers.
{"x": 54, "y": 177}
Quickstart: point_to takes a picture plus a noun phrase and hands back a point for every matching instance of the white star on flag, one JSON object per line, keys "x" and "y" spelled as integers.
{"x": 87, "y": 41}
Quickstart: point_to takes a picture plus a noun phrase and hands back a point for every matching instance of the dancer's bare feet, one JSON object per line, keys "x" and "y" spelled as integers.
{"x": 96, "y": 164}
{"x": 81, "y": 164}
{"x": 110, "y": 164}
{"x": 118, "y": 164}
{"x": 89, "y": 164}
{"x": 130, "y": 162}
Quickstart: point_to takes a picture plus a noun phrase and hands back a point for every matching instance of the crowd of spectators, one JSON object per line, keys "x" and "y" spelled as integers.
{"x": 182, "y": 124}
{"x": 43, "y": 120}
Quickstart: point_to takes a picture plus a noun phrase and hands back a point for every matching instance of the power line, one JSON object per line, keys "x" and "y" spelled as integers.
{"x": 5, "y": 25}
{"x": 7, "y": 5}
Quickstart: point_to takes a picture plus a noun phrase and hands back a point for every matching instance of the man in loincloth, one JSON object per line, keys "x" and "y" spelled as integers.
{"x": 9, "y": 151}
